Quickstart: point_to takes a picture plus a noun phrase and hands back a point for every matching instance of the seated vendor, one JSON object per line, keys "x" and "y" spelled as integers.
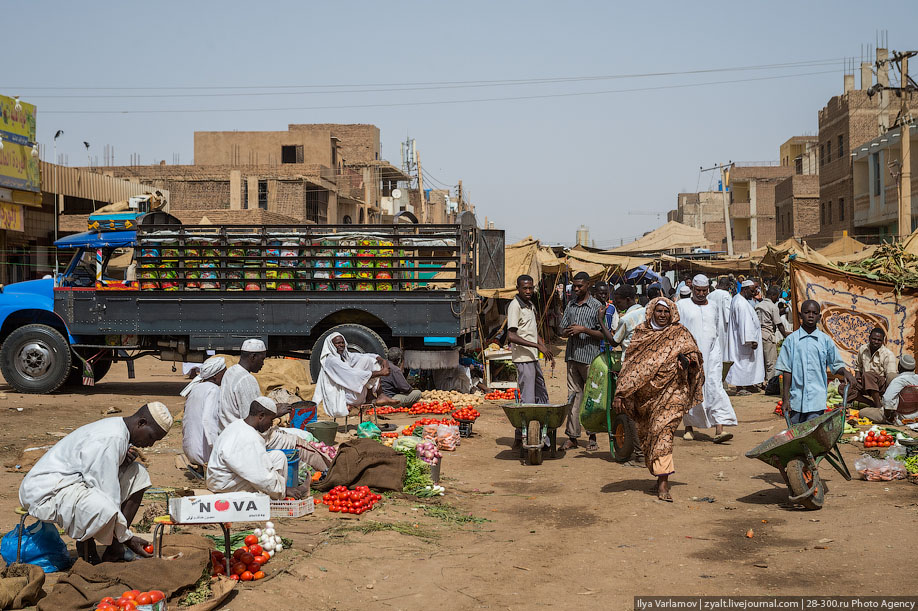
{"x": 241, "y": 462}
{"x": 348, "y": 379}
{"x": 892, "y": 402}
{"x": 875, "y": 369}
{"x": 90, "y": 484}
{"x": 395, "y": 386}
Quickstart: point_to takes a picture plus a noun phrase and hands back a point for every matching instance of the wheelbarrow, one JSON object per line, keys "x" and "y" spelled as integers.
{"x": 598, "y": 412}
{"x": 797, "y": 451}
{"x": 536, "y": 420}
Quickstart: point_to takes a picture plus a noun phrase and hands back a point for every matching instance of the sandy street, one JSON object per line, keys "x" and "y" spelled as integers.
{"x": 577, "y": 532}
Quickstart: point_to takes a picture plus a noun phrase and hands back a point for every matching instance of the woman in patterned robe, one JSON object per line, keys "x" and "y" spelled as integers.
{"x": 661, "y": 379}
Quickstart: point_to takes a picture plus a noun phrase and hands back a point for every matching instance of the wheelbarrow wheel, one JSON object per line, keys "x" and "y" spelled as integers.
{"x": 534, "y": 438}
{"x": 800, "y": 479}
{"x": 624, "y": 437}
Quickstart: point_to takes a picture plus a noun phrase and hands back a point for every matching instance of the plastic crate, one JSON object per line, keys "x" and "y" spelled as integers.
{"x": 465, "y": 428}
{"x": 292, "y": 509}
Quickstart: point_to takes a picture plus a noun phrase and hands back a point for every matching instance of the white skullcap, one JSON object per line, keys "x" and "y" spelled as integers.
{"x": 701, "y": 280}
{"x": 209, "y": 369}
{"x": 747, "y": 283}
{"x": 685, "y": 290}
{"x": 253, "y": 345}
{"x": 267, "y": 403}
{"x": 160, "y": 414}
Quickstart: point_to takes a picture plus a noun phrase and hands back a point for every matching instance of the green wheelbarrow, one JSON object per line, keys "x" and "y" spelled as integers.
{"x": 797, "y": 451}
{"x": 537, "y": 420}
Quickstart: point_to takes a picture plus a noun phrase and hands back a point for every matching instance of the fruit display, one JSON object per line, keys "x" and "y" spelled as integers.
{"x": 356, "y": 500}
{"x": 427, "y": 451}
{"x": 411, "y": 428}
{"x": 247, "y": 560}
{"x": 434, "y": 407}
{"x": 511, "y": 394}
{"x": 467, "y": 414}
{"x": 130, "y": 600}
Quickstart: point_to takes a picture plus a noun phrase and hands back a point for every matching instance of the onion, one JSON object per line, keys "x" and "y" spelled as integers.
{"x": 257, "y": 532}
{"x": 270, "y": 553}
{"x": 269, "y": 531}
{"x": 268, "y": 547}
{"x": 269, "y": 525}
{"x": 278, "y": 542}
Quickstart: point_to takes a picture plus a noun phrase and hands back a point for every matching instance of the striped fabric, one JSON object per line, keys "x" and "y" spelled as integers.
{"x": 582, "y": 348}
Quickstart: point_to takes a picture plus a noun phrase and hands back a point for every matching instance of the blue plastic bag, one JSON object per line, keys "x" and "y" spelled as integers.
{"x": 41, "y": 546}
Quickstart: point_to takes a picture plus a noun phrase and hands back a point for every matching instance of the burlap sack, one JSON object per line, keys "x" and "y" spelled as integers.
{"x": 21, "y": 586}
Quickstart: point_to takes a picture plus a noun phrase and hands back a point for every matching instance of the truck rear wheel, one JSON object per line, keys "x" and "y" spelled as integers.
{"x": 359, "y": 338}
{"x": 35, "y": 359}
{"x": 100, "y": 367}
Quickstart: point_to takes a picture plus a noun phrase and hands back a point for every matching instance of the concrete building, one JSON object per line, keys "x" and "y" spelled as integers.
{"x": 752, "y": 205}
{"x": 703, "y": 210}
{"x": 847, "y": 122}
{"x": 795, "y": 147}
{"x": 876, "y": 166}
{"x": 322, "y": 173}
{"x": 797, "y": 197}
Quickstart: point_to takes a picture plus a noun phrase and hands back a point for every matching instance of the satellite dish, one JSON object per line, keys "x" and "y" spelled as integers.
{"x": 396, "y": 193}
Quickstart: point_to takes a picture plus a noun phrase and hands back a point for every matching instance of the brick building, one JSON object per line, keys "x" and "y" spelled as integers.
{"x": 323, "y": 173}
{"x": 876, "y": 167}
{"x": 703, "y": 210}
{"x": 752, "y": 205}
{"x": 847, "y": 122}
{"x": 797, "y": 197}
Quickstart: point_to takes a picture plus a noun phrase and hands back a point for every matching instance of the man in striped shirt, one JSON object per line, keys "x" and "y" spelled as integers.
{"x": 580, "y": 325}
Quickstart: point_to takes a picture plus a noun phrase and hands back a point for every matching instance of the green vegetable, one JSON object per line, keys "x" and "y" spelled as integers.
{"x": 911, "y": 464}
{"x": 237, "y": 540}
{"x": 417, "y": 473}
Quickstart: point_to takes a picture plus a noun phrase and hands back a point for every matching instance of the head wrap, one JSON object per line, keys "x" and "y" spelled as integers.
{"x": 209, "y": 369}
{"x": 268, "y": 404}
{"x": 701, "y": 280}
{"x": 747, "y": 283}
{"x": 685, "y": 291}
{"x": 160, "y": 414}
{"x": 907, "y": 362}
{"x": 254, "y": 345}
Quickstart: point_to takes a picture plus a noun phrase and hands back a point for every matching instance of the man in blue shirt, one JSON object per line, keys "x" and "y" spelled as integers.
{"x": 805, "y": 356}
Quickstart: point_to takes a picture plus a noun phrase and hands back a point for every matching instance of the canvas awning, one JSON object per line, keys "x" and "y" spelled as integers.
{"x": 671, "y": 236}
{"x": 602, "y": 264}
{"x": 719, "y": 266}
{"x": 845, "y": 245}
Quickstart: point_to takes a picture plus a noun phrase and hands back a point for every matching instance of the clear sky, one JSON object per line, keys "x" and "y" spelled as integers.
{"x": 534, "y": 165}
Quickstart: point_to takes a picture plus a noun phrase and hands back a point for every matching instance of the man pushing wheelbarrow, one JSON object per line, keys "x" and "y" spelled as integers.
{"x": 812, "y": 434}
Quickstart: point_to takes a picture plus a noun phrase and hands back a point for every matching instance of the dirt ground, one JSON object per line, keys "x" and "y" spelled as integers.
{"x": 577, "y": 532}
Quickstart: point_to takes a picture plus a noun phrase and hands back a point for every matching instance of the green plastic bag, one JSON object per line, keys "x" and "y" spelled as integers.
{"x": 368, "y": 430}
{"x": 597, "y": 394}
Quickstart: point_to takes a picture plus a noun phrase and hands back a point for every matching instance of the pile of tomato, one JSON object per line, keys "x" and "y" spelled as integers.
{"x": 409, "y": 430}
{"x": 245, "y": 564}
{"x": 467, "y": 413}
{"x": 130, "y": 600}
{"x": 878, "y": 439}
{"x": 382, "y": 411}
{"x": 392, "y": 435}
{"x": 344, "y": 500}
{"x": 511, "y": 394}
{"x": 434, "y": 407}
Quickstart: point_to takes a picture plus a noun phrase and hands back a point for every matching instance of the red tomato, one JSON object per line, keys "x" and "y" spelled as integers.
{"x": 144, "y": 598}
{"x": 239, "y": 568}
{"x": 247, "y": 558}
{"x": 246, "y": 576}
{"x": 121, "y": 602}
{"x": 219, "y": 569}
{"x": 238, "y": 553}
{"x": 148, "y": 548}
{"x": 108, "y": 600}
{"x": 255, "y": 550}
{"x": 131, "y": 594}
{"x": 261, "y": 559}
{"x": 217, "y": 554}
{"x": 253, "y": 568}
{"x": 157, "y": 595}
{"x": 259, "y": 575}
{"x": 251, "y": 540}
{"x": 234, "y": 577}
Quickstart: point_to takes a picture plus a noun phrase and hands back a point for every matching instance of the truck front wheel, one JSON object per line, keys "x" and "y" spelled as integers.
{"x": 35, "y": 359}
{"x": 359, "y": 339}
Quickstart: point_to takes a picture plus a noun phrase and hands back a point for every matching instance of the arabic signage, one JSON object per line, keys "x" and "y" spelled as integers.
{"x": 11, "y": 217}
{"x": 18, "y": 168}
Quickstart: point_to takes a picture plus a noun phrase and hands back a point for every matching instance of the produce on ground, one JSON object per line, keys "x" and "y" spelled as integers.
{"x": 511, "y": 394}
{"x": 258, "y": 547}
{"x": 427, "y": 451}
{"x": 410, "y": 429}
{"x": 130, "y": 600}
{"x": 911, "y": 464}
{"x": 417, "y": 472}
{"x": 356, "y": 500}
{"x": 467, "y": 413}
{"x": 327, "y": 450}
{"x": 451, "y": 395}
{"x": 431, "y": 408}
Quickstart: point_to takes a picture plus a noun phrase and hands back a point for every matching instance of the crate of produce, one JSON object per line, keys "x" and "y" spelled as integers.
{"x": 292, "y": 508}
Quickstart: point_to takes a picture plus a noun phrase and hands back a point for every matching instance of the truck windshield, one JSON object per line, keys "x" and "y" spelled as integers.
{"x": 82, "y": 269}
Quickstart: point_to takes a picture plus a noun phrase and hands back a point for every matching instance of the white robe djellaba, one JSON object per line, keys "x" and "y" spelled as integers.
{"x": 748, "y": 363}
{"x": 240, "y": 462}
{"x": 706, "y": 326}
{"x": 345, "y": 379}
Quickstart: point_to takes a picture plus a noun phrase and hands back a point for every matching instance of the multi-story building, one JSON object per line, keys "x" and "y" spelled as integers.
{"x": 703, "y": 210}
{"x": 324, "y": 173}
{"x": 846, "y": 123}
{"x": 752, "y": 205}
{"x": 877, "y": 165}
{"x": 797, "y": 197}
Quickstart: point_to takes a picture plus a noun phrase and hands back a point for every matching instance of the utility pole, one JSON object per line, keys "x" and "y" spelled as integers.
{"x": 459, "y": 203}
{"x": 905, "y": 197}
{"x": 423, "y": 204}
{"x": 723, "y": 189}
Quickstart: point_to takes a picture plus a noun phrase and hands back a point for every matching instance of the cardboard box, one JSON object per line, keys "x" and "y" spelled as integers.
{"x": 226, "y": 507}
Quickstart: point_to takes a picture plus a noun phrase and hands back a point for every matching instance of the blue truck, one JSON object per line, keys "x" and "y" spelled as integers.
{"x": 148, "y": 285}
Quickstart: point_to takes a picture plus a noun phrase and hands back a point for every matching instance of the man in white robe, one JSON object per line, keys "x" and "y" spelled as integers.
{"x": 239, "y": 387}
{"x": 241, "y": 462}
{"x": 745, "y": 343}
{"x": 347, "y": 379}
{"x": 722, "y": 297}
{"x": 90, "y": 484}
{"x": 703, "y": 319}
{"x": 200, "y": 423}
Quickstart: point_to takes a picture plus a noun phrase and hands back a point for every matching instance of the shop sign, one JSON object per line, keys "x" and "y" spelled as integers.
{"x": 11, "y": 217}
{"x": 19, "y": 169}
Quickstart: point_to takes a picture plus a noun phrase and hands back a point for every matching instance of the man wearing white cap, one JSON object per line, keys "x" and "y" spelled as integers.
{"x": 744, "y": 342}
{"x": 240, "y": 461}
{"x": 90, "y": 484}
{"x": 771, "y": 323}
{"x": 200, "y": 424}
{"x": 239, "y": 387}
{"x": 703, "y": 319}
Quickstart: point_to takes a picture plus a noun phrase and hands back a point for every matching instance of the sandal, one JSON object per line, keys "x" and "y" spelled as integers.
{"x": 592, "y": 446}
{"x": 723, "y": 437}
{"x": 570, "y": 444}
{"x": 665, "y": 496}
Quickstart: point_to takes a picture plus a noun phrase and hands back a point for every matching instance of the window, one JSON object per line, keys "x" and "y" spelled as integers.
{"x": 829, "y": 151}
{"x": 875, "y": 166}
{"x": 317, "y": 205}
{"x": 841, "y": 146}
{"x": 245, "y": 194}
{"x": 292, "y": 153}
{"x": 841, "y": 208}
{"x": 822, "y": 154}
{"x": 829, "y": 212}
{"x": 822, "y": 214}
{"x": 263, "y": 194}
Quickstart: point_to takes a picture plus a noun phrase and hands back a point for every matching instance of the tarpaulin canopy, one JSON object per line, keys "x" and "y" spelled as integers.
{"x": 845, "y": 245}
{"x": 671, "y": 236}
{"x": 528, "y": 257}
{"x": 718, "y": 266}
{"x": 602, "y": 264}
